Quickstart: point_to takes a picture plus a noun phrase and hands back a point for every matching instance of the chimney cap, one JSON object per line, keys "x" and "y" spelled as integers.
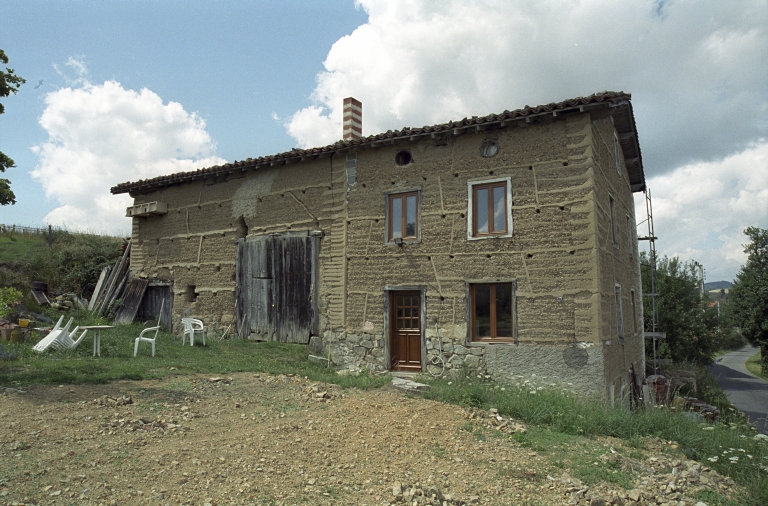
{"x": 353, "y": 119}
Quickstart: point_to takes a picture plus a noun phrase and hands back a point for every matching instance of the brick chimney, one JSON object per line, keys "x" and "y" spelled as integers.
{"x": 353, "y": 119}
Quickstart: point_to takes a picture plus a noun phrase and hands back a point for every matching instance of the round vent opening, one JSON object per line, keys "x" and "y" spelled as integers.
{"x": 489, "y": 148}
{"x": 403, "y": 158}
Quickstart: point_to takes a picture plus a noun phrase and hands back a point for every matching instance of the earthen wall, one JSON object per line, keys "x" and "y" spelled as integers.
{"x": 619, "y": 265}
{"x": 559, "y": 253}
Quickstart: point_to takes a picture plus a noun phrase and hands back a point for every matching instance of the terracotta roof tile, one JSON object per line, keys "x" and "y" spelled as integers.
{"x": 609, "y": 98}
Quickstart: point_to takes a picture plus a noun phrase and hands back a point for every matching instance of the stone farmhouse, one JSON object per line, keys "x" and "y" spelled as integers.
{"x": 503, "y": 245}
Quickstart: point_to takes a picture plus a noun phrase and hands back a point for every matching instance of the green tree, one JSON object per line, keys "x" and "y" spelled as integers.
{"x": 9, "y": 83}
{"x": 690, "y": 324}
{"x": 748, "y": 307}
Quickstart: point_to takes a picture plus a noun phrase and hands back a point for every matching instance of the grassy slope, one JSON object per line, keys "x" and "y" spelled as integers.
{"x": 19, "y": 247}
{"x": 754, "y": 367}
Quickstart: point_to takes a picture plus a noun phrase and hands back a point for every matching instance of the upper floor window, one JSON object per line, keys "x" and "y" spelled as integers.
{"x": 492, "y": 309}
{"x": 619, "y": 313}
{"x": 403, "y": 216}
{"x": 490, "y": 209}
{"x": 617, "y": 152}
{"x": 630, "y": 237}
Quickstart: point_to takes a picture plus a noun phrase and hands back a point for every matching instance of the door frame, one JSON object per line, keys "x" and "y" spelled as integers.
{"x": 388, "y": 290}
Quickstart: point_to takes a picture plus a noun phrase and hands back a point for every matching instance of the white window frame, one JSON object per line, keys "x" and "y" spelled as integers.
{"x": 631, "y": 236}
{"x": 470, "y": 207}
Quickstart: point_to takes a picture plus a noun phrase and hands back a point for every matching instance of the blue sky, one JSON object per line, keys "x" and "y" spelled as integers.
{"x": 234, "y": 63}
{"x": 133, "y": 90}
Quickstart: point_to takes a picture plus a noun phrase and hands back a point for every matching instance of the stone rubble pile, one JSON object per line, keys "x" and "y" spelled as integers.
{"x": 418, "y": 494}
{"x": 663, "y": 482}
{"x": 491, "y": 419}
{"x": 319, "y": 393}
{"x": 707, "y": 411}
{"x": 68, "y": 301}
{"x": 142, "y": 424}
{"x": 111, "y": 402}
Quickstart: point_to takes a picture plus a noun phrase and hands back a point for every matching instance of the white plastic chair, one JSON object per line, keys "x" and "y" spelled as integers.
{"x": 59, "y": 338}
{"x": 47, "y": 341}
{"x": 58, "y": 323}
{"x": 68, "y": 341}
{"x": 191, "y": 327}
{"x": 146, "y": 339}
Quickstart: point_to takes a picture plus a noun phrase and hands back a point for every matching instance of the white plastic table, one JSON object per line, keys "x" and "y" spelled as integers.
{"x": 97, "y": 336}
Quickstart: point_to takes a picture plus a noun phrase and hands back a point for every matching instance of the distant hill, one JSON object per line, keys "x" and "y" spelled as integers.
{"x": 717, "y": 285}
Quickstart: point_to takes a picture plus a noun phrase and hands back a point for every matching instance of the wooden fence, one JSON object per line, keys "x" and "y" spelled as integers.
{"x": 18, "y": 229}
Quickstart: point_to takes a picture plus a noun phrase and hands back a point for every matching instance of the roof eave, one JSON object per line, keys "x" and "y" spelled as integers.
{"x": 618, "y": 102}
{"x": 624, "y": 122}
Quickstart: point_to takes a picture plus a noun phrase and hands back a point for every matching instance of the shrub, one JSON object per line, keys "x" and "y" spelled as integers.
{"x": 9, "y": 296}
{"x": 74, "y": 261}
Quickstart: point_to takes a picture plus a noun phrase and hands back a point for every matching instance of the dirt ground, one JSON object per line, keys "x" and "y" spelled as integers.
{"x": 259, "y": 439}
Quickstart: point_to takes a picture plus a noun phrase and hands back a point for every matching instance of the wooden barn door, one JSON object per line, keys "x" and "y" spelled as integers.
{"x": 276, "y": 287}
{"x": 255, "y": 286}
{"x": 159, "y": 295}
{"x": 405, "y": 324}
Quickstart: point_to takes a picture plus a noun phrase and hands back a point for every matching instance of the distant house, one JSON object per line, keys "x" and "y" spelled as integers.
{"x": 504, "y": 245}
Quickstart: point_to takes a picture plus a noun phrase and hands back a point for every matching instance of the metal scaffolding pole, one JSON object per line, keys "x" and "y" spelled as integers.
{"x": 651, "y": 238}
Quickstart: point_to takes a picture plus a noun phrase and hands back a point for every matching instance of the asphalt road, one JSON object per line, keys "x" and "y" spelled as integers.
{"x": 748, "y": 393}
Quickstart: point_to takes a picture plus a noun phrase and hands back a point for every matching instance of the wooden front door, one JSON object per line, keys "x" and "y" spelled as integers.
{"x": 405, "y": 322}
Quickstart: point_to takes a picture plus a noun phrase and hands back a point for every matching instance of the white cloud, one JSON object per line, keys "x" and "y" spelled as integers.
{"x": 78, "y": 66}
{"x": 696, "y": 69}
{"x": 701, "y": 210}
{"x": 101, "y": 135}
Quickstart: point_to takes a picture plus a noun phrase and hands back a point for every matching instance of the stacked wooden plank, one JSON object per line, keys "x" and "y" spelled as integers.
{"x": 111, "y": 284}
{"x": 131, "y": 300}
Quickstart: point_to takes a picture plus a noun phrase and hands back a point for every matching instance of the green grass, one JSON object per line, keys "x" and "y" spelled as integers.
{"x": 558, "y": 416}
{"x": 712, "y": 498}
{"x": 754, "y": 367}
{"x": 438, "y": 450}
{"x": 15, "y": 248}
{"x": 171, "y": 359}
{"x": 579, "y": 454}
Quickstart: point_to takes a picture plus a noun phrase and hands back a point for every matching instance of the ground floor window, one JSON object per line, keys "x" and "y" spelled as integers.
{"x": 492, "y": 311}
